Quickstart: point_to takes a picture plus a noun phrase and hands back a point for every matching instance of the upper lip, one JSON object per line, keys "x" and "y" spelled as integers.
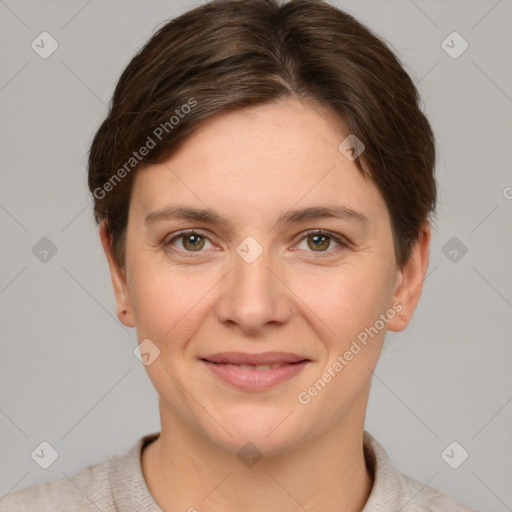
{"x": 254, "y": 359}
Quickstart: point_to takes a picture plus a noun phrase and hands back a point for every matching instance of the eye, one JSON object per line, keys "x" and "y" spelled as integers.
{"x": 321, "y": 241}
{"x": 318, "y": 241}
{"x": 191, "y": 241}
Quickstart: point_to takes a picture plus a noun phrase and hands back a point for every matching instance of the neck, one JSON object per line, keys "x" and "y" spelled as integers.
{"x": 186, "y": 471}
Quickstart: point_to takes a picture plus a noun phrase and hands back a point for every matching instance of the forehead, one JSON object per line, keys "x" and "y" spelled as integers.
{"x": 260, "y": 159}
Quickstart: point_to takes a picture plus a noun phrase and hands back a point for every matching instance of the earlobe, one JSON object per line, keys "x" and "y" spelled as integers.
{"x": 119, "y": 283}
{"x": 409, "y": 283}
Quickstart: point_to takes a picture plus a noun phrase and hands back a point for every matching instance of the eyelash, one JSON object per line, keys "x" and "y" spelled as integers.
{"x": 341, "y": 241}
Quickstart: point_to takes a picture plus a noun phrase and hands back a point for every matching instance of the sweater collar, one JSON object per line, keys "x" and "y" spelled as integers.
{"x": 130, "y": 491}
{"x": 129, "y": 488}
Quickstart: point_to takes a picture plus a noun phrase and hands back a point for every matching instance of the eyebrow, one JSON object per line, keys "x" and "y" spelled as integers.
{"x": 208, "y": 216}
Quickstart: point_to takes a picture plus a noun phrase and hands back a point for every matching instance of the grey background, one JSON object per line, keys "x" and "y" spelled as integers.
{"x": 67, "y": 370}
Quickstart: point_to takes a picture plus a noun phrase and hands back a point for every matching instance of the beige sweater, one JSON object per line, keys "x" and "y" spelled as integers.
{"x": 117, "y": 485}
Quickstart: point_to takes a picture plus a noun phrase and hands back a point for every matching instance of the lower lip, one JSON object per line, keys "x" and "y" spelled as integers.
{"x": 255, "y": 380}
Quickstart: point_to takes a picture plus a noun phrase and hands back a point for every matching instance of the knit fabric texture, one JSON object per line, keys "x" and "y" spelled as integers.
{"x": 117, "y": 485}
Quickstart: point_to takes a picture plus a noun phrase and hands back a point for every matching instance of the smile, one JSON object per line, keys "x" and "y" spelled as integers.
{"x": 255, "y": 372}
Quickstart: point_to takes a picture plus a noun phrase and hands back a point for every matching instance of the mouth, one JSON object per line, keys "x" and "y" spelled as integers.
{"x": 255, "y": 372}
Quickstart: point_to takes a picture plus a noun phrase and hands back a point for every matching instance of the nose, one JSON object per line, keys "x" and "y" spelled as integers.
{"x": 254, "y": 295}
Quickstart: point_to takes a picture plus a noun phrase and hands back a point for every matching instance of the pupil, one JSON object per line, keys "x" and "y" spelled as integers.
{"x": 319, "y": 241}
{"x": 193, "y": 242}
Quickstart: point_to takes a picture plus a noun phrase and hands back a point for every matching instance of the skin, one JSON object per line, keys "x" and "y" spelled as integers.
{"x": 250, "y": 166}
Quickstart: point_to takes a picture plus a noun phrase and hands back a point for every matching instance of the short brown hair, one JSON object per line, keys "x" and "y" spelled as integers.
{"x": 230, "y": 54}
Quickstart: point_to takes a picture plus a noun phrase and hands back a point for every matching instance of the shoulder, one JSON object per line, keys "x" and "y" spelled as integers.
{"x": 392, "y": 490}
{"x": 417, "y": 497}
{"x": 88, "y": 489}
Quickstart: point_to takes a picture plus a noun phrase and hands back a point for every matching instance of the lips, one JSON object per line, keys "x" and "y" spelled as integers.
{"x": 266, "y": 358}
{"x": 255, "y": 372}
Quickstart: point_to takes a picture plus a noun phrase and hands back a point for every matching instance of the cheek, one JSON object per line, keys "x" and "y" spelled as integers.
{"x": 167, "y": 304}
{"x": 348, "y": 298}
{"x": 348, "y": 302}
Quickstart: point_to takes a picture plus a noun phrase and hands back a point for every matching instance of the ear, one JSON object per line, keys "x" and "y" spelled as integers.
{"x": 119, "y": 283}
{"x": 409, "y": 282}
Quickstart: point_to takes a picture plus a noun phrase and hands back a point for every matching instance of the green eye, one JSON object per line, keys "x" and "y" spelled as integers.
{"x": 317, "y": 241}
{"x": 321, "y": 241}
{"x": 191, "y": 241}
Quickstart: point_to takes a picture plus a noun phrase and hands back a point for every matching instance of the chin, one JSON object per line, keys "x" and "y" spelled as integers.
{"x": 269, "y": 430}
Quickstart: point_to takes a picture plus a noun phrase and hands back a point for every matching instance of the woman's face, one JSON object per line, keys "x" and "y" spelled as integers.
{"x": 255, "y": 279}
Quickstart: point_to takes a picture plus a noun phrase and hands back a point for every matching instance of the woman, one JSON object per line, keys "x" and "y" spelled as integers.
{"x": 263, "y": 184}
